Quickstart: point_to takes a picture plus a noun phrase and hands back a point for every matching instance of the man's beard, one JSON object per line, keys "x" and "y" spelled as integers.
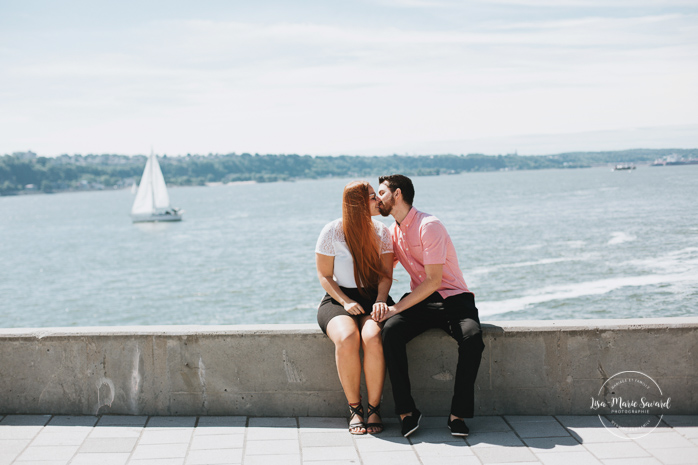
{"x": 385, "y": 209}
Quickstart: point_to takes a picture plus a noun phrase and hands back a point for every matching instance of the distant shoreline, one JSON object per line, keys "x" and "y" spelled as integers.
{"x": 26, "y": 173}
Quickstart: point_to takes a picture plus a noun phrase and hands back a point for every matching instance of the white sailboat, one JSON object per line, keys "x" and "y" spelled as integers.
{"x": 152, "y": 202}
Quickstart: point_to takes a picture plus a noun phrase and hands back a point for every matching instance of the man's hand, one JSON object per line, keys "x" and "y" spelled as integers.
{"x": 353, "y": 308}
{"x": 383, "y": 313}
{"x": 378, "y": 309}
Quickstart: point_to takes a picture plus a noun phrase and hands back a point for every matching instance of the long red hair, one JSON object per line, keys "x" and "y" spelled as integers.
{"x": 361, "y": 237}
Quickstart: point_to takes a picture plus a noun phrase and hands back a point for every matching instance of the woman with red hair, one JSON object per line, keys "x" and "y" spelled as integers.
{"x": 354, "y": 256}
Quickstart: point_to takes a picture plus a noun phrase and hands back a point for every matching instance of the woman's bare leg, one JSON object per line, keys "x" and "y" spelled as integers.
{"x": 342, "y": 330}
{"x": 374, "y": 364}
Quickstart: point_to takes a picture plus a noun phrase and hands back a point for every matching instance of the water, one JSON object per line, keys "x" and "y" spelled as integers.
{"x": 554, "y": 244}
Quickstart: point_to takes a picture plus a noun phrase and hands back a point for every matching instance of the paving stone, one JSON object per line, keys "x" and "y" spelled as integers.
{"x": 506, "y": 439}
{"x": 216, "y": 430}
{"x": 114, "y": 445}
{"x": 19, "y": 432}
{"x": 528, "y": 418}
{"x": 45, "y": 438}
{"x": 540, "y": 429}
{"x": 487, "y": 424}
{"x": 122, "y": 420}
{"x": 160, "y": 451}
{"x": 218, "y": 441}
{"x": 519, "y": 463}
{"x": 446, "y": 449}
{"x": 25, "y": 420}
{"x": 663, "y": 441}
{"x": 53, "y": 429}
{"x": 558, "y": 445}
{"x": 268, "y": 433}
{"x": 569, "y": 458}
{"x": 100, "y": 459}
{"x": 679, "y": 455}
{"x": 690, "y": 432}
{"x": 273, "y": 422}
{"x": 39, "y": 453}
{"x": 323, "y": 423}
{"x": 375, "y": 444}
{"x": 214, "y": 421}
{"x": 330, "y": 453}
{"x": 292, "y": 459}
{"x": 433, "y": 422}
{"x": 43, "y": 462}
{"x": 681, "y": 420}
{"x": 13, "y": 446}
{"x": 325, "y": 439}
{"x": 600, "y": 434}
{"x": 171, "y": 422}
{"x": 332, "y": 462}
{"x": 433, "y": 435}
{"x": 276, "y": 447}
{"x": 504, "y": 454}
{"x": 7, "y": 458}
{"x": 169, "y": 461}
{"x": 390, "y": 458}
{"x": 632, "y": 461}
{"x": 218, "y": 456}
{"x": 448, "y": 460}
{"x": 69, "y": 420}
{"x": 617, "y": 450}
{"x": 115, "y": 432}
{"x": 166, "y": 436}
{"x": 579, "y": 421}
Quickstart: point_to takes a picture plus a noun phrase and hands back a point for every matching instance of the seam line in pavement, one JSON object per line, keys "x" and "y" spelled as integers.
{"x": 138, "y": 441}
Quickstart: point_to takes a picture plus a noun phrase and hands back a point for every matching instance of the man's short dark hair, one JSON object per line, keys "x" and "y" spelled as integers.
{"x": 398, "y": 181}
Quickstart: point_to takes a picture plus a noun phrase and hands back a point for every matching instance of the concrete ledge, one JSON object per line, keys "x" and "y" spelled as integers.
{"x": 528, "y": 368}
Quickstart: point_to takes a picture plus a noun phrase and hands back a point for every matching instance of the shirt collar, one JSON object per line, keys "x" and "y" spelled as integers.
{"x": 408, "y": 219}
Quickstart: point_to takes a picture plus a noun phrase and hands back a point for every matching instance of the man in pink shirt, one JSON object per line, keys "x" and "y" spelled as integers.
{"x": 439, "y": 299}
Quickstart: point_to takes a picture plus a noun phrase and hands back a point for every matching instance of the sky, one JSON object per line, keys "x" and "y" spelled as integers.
{"x": 365, "y": 77}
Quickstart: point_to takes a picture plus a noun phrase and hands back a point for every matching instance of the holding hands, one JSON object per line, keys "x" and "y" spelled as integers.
{"x": 381, "y": 311}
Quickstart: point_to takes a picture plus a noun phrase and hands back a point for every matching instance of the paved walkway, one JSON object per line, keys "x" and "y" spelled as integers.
{"x": 117, "y": 440}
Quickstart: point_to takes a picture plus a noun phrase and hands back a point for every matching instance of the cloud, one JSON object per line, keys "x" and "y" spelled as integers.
{"x": 321, "y": 87}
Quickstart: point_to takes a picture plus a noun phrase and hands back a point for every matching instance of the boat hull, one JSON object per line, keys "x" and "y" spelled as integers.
{"x": 156, "y": 218}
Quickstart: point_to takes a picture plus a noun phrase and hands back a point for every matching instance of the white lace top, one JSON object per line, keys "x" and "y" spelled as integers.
{"x": 333, "y": 243}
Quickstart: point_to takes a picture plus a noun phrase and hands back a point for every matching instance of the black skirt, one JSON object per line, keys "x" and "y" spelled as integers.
{"x": 330, "y": 308}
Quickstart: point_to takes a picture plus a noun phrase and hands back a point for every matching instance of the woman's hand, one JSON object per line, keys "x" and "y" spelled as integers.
{"x": 353, "y": 308}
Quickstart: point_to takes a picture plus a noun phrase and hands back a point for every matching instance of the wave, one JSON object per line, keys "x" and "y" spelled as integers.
{"x": 683, "y": 260}
{"x": 620, "y": 237}
{"x": 571, "y": 291}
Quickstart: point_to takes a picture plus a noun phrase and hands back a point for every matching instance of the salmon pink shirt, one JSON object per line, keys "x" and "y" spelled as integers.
{"x": 421, "y": 240}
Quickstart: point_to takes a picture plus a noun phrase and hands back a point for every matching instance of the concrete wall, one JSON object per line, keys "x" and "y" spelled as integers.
{"x": 528, "y": 367}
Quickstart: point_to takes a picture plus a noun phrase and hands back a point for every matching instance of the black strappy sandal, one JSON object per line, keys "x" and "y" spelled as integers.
{"x": 374, "y": 410}
{"x": 358, "y": 410}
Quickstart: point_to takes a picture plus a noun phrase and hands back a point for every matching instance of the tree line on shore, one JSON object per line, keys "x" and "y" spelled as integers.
{"x": 24, "y": 172}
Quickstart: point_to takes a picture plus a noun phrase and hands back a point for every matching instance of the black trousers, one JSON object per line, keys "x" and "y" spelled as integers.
{"x": 458, "y": 316}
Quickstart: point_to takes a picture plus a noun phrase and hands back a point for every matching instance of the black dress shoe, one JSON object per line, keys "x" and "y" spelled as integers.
{"x": 411, "y": 423}
{"x": 458, "y": 427}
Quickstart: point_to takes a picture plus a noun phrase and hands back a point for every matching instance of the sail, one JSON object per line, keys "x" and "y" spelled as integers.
{"x": 144, "y": 198}
{"x": 161, "y": 200}
{"x": 152, "y": 191}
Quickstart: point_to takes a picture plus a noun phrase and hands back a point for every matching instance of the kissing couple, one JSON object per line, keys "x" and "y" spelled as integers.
{"x": 355, "y": 257}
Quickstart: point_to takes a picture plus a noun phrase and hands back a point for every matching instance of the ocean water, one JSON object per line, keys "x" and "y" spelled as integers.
{"x": 553, "y": 244}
